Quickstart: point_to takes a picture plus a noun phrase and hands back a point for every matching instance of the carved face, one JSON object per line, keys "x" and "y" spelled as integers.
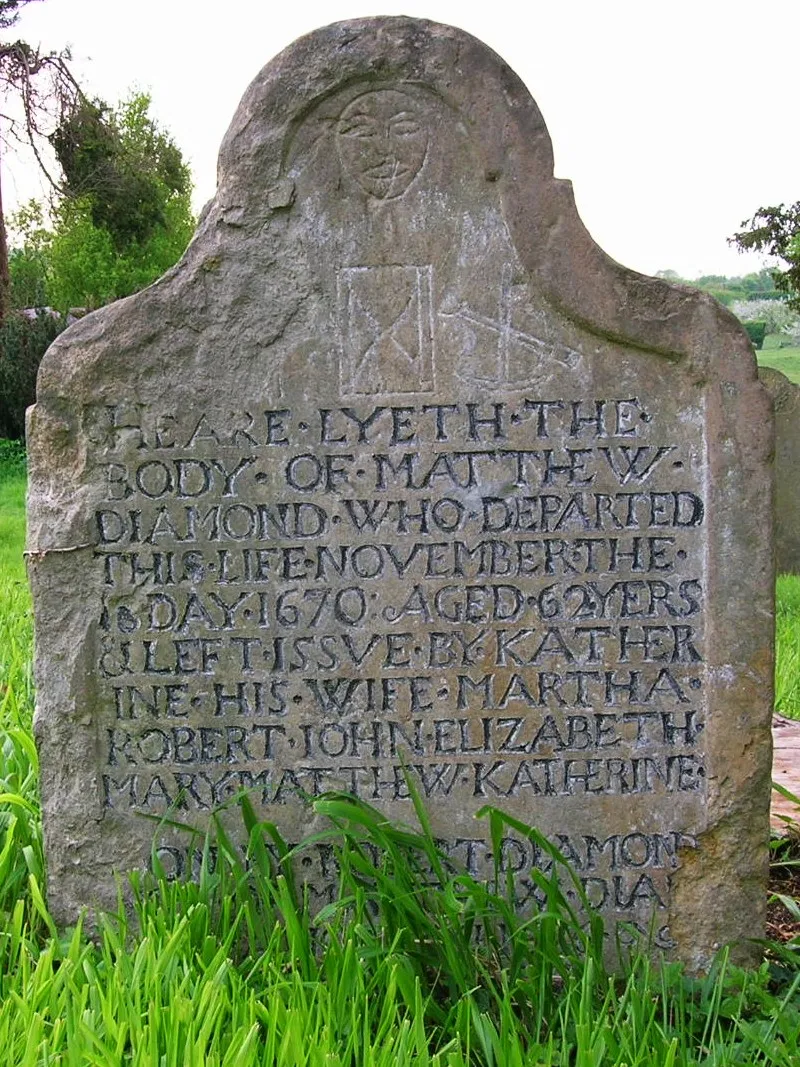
{"x": 382, "y": 142}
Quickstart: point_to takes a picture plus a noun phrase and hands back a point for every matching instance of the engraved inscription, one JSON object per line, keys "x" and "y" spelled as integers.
{"x": 503, "y": 599}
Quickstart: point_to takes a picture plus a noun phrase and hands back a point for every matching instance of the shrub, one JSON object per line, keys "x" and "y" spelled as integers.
{"x": 23, "y": 342}
{"x": 756, "y": 331}
{"x": 13, "y": 459}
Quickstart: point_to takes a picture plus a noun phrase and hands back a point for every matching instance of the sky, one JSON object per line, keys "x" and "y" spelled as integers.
{"x": 674, "y": 120}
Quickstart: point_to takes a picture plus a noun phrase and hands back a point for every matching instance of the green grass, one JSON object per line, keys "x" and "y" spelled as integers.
{"x": 233, "y": 971}
{"x": 12, "y": 509}
{"x": 787, "y": 646}
{"x": 786, "y": 360}
{"x": 775, "y": 341}
{"x": 21, "y": 864}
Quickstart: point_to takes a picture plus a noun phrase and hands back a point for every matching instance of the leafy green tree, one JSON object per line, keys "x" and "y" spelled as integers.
{"x": 776, "y": 230}
{"x": 125, "y": 214}
{"x": 127, "y": 168}
{"x": 29, "y": 266}
{"x": 43, "y": 91}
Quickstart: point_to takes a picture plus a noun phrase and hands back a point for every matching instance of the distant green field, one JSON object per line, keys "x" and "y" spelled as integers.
{"x": 786, "y": 360}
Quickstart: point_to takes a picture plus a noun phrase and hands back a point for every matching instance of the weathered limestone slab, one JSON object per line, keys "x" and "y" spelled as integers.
{"x": 398, "y": 468}
{"x": 786, "y": 402}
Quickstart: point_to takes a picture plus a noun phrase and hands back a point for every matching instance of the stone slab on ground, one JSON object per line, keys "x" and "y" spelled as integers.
{"x": 785, "y": 771}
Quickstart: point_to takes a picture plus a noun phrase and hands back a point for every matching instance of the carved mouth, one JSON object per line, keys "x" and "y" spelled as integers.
{"x": 387, "y": 169}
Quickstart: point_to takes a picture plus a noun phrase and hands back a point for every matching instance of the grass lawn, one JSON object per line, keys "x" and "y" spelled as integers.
{"x": 232, "y": 972}
{"x": 786, "y": 360}
{"x": 12, "y": 510}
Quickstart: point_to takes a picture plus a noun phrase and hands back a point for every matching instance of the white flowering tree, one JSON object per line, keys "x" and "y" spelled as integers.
{"x": 775, "y": 314}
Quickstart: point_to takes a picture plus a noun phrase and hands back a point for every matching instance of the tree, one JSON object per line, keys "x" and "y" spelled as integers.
{"x": 776, "y": 230}
{"x": 45, "y": 91}
{"x": 776, "y": 315}
{"x": 127, "y": 167}
{"x": 124, "y": 216}
{"x": 29, "y": 266}
{"x": 670, "y": 276}
{"x": 9, "y": 12}
{"x": 726, "y": 289}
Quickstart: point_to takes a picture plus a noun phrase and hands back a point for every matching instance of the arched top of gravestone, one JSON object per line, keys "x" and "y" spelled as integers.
{"x": 785, "y": 394}
{"x": 463, "y": 133}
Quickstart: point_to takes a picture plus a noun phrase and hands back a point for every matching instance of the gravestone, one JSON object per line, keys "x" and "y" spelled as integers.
{"x": 397, "y": 472}
{"x": 786, "y": 403}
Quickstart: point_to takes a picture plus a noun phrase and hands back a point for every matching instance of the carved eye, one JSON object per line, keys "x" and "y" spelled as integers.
{"x": 404, "y": 126}
{"x": 361, "y": 126}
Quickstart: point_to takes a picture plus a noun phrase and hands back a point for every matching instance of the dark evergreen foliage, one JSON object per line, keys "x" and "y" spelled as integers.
{"x": 23, "y": 342}
{"x": 756, "y": 331}
{"x": 126, "y": 171}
